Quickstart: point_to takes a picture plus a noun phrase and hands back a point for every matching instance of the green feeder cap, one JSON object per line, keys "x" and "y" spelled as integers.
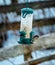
{"x": 28, "y": 10}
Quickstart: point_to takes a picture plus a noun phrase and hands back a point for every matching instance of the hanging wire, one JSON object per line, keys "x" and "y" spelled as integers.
{"x": 26, "y": 3}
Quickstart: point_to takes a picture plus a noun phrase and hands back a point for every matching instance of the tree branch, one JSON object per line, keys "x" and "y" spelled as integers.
{"x": 42, "y": 42}
{"x": 40, "y": 60}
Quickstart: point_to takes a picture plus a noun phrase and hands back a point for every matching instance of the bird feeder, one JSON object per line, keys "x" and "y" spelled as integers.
{"x": 26, "y": 26}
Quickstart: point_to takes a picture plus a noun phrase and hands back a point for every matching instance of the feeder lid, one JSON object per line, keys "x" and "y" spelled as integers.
{"x": 27, "y": 10}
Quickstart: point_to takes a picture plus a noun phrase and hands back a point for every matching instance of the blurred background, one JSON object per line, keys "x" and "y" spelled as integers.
{"x": 10, "y": 17}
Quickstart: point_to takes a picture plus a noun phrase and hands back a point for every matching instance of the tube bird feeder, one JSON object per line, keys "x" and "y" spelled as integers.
{"x": 26, "y": 26}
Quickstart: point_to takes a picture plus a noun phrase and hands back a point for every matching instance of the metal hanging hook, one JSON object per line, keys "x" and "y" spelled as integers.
{"x": 26, "y": 3}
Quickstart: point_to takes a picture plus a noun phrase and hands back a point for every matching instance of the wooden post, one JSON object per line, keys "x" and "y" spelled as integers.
{"x": 40, "y": 60}
{"x": 28, "y": 56}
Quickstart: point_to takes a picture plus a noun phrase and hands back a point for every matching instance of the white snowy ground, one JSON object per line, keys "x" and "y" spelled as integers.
{"x": 13, "y": 40}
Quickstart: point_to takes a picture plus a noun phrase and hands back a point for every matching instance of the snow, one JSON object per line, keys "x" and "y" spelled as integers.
{"x": 23, "y": 1}
{"x": 7, "y": 2}
{"x": 38, "y": 14}
{"x": 12, "y": 16}
{"x": 44, "y": 29}
{"x": 12, "y": 39}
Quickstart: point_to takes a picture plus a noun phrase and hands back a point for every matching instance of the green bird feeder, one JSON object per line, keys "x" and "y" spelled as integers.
{"x": 26, "y": 33}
